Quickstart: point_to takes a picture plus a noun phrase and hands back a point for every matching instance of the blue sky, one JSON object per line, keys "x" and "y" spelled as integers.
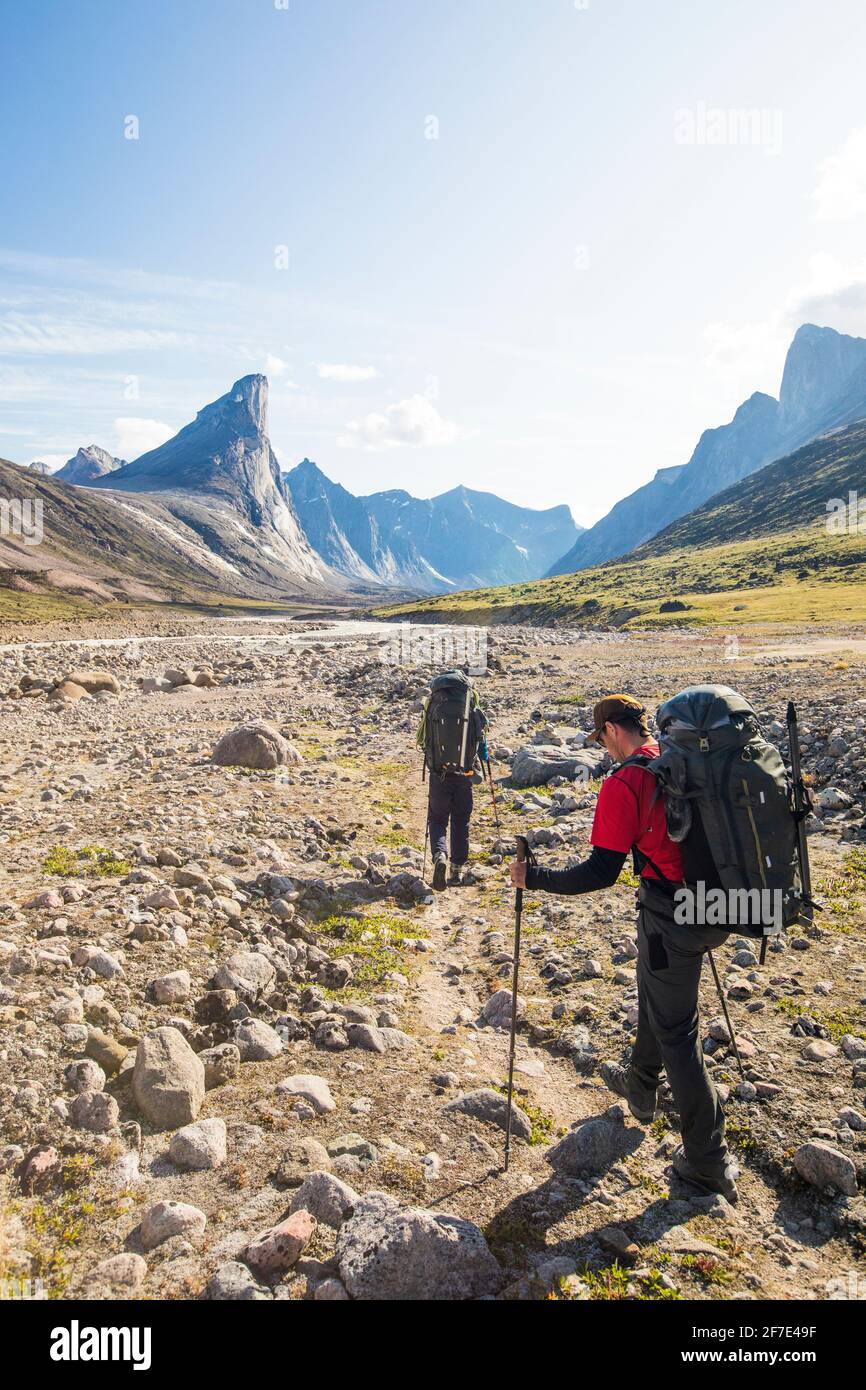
{"x": 594, "y": 259}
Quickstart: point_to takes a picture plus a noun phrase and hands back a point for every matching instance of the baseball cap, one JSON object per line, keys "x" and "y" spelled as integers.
{"x": 613, "y": 709}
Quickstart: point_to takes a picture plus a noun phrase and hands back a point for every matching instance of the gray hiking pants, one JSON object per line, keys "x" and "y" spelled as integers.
{"x": 668, "y": 1033}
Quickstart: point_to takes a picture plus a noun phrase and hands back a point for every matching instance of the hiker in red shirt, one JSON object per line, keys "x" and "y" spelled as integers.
{"x": 630, "y": 818}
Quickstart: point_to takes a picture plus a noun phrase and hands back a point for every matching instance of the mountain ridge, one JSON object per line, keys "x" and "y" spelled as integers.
{"x": 396, "y": 538}
{"x": 823, "y": 386}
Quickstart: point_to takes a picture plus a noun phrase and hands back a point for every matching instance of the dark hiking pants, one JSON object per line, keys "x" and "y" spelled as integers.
{"x": 669, "y": 963}
{"x": 450, "y": 798}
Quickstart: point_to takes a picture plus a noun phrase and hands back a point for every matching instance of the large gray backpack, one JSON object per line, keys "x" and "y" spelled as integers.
{"x": 451, "y": 728}
{"x": 728, "y": 799}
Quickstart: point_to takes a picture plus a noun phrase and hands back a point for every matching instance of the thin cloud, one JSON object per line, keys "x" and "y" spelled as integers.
{"x": 136, "y": 436}
{"x": 342, "y": 371}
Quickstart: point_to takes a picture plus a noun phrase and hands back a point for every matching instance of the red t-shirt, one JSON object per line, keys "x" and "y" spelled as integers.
{"x": 626, "y": 815}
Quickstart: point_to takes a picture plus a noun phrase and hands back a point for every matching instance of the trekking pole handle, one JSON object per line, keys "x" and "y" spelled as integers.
{"x": 522, "y": 848}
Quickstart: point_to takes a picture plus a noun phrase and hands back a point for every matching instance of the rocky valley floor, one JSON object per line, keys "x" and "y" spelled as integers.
{"x": 231, "y": 1012}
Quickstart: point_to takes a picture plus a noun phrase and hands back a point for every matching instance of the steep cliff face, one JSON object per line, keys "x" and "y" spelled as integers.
{"x": 459, "y": 539}
{"x": 823, "y": 387}
{"x": 220, "y": 477}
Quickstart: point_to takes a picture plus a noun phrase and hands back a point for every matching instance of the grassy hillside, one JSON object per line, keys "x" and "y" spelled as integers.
{"x": 803, "y": 576}
{"x": 759, "y": 552}
{"x": 790, "y": 493}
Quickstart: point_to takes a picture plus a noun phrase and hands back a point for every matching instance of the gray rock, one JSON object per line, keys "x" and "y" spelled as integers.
{"x": 823, "y": 1166}
{"x": 258, "y": 1041}
{"x": 352, "y": 1146}
{"x": 591, "y": 1147}
{"x": 256, "y": 744}
{"x": 234, "y": 1283}
{"x": 492, "y": 1108}
{"x": 367, "y": 1036}
{"x": 330, "y": 1291}
{"x": 390, "y": 1253}
{"x": 326, "y": 1198}
{"x": 221, "y": 1064}
{"x": 126, "y": 1270}
{"x": 95, "y": 1111}
{"x": 167, "y": 1079}
{"x": 315, "y": 1089}
{"x": 247, "y": 972}
{"x": 166, "y": 1219}
{"x": 200, "y": 1146}
{"x": 536, "y": 764}
{"x": 173, "y": 988}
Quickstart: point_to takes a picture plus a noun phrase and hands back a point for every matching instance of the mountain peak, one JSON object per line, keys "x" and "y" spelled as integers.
{"x": 243, "y": 410}
{"x": 91, "y": 462}
{"x": 818, "y": 364}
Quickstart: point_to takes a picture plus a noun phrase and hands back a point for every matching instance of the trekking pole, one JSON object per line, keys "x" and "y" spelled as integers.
{"x": 524, "y": 856}
{"x": 426, "y": 837}
{"x": 730, "y": 1025}
{"x": 493, "y": 794}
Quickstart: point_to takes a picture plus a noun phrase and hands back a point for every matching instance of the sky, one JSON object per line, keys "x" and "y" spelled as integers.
{"x": 530, "y": 246}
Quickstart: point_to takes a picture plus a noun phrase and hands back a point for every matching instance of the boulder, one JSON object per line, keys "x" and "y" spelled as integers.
{"x": 326, "y": 1198}
{"x": 277, "y": 1249}
{"x": 315, "y": 1089}
{"x": 167, "y": 1079}
{"x": 166, "y": 1219}
{"x": 93, "y": 681}
{"x": 234, "y": 1283}
{"x": 247, "y": 972}
{"x": 591, "y": 1147}
{"x": 257, "y": 1041}
{"x": 393, "y": 1253}
{"x": 492, "y": 1108}
{"x": 173, "y": 988}
{"x": 823, "y": 1166}
{"x": 255, "y": 745}
{"x": 535, "y": 764}
{"x": 200, "y": 1146}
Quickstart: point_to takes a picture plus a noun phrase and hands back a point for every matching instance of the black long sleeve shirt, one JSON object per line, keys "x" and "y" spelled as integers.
{"x": 600, "y": 870}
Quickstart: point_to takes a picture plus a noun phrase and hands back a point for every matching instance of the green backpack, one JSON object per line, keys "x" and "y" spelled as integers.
{"x": 729, "y": 802}
{"x": 450, "y": 730}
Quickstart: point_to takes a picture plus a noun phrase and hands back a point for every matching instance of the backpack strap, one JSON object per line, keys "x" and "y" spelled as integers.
{"x": 642, "y": 861}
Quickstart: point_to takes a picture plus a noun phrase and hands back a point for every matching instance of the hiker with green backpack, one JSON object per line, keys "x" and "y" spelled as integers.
{"x": 709, "y": 807}
{"x": 453, "y": 735}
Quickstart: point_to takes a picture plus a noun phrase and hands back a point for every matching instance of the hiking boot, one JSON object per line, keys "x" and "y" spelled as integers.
{"x": 722, "y": 1180}
{"x": 455, "y": 878}
{"x": 641, "y": 1101}
{"x": 439, "y": 866}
